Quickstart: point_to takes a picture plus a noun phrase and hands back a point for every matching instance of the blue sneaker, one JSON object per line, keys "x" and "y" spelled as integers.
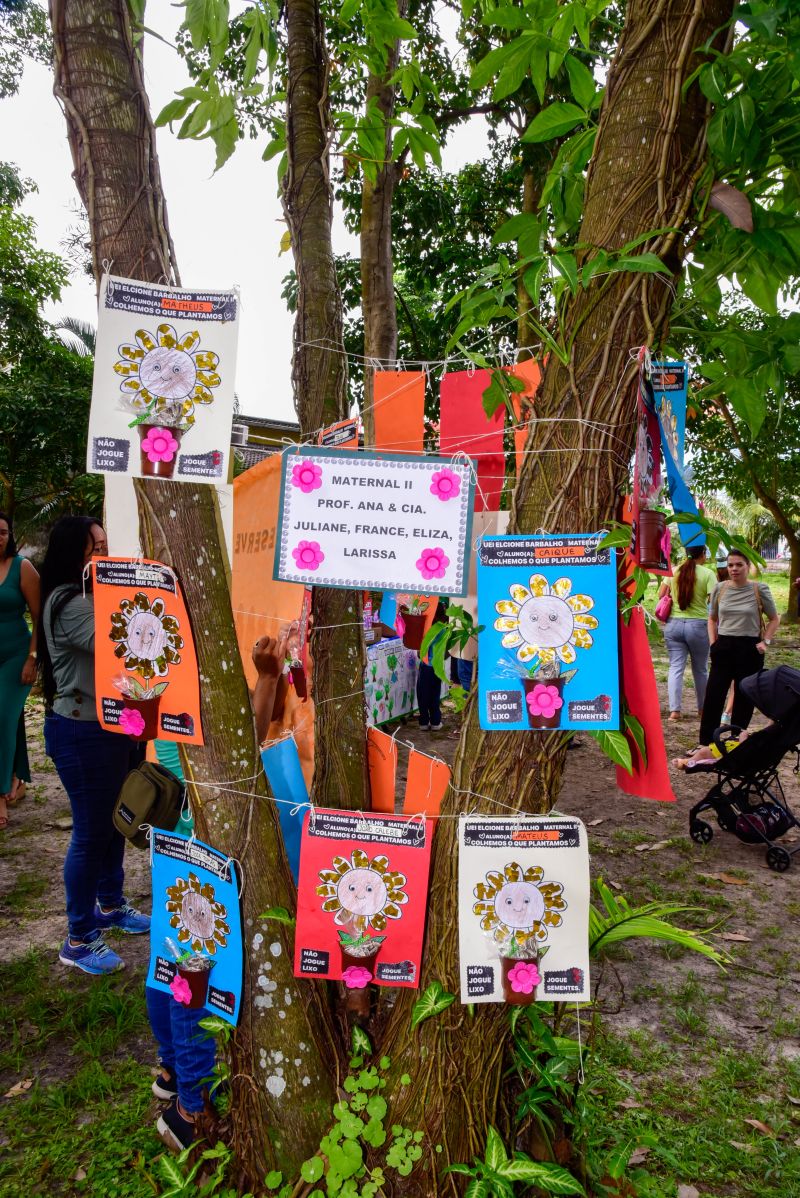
{"x": 94, "y": 956}
{"x": 124, "y": 918}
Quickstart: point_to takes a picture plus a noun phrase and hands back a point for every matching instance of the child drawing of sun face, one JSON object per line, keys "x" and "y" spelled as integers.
{"x": 545, "y": 622}
{"x": 517, "y": 905}
{"x": 146, "y": 637}
{"x": 361, "y": 891}
{"x": 166, "y": 371}
{"x": 197, "y": 916}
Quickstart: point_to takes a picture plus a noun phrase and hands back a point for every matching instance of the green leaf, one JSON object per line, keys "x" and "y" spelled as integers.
{"x": 552, "y": 1178}
{"x": 348, "y": 10}
{"x": 273, "y": 1179}
{"x": 495, "y": 1154}
{"x": 361, "y": 1042}
{"x": 581, "y": 81}
{"x": 616, "y": 747}
{"x": 515, "y": 226}
{"x": 279, "y": 914}
{"x": 634, "y": 727}
{"x": 312, "y": 1169}
{"x": 432, "y": 1001}
{"x": 553, "y": 121}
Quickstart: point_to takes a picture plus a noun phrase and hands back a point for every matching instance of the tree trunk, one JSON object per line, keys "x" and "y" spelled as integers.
{"x": 279, "y": 1110}
{"x": 319, "y": 376}
{"x": 649, "y": 152}
{"x": 378, "y": 306}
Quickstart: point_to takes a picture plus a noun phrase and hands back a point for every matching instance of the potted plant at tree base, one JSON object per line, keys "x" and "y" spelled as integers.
{"x": 358, "y": 950}
{"x": 544, "y": 686}
{"x": 140, "y": 708}
{"x": 652, "y": 538}
{"x": 414, "y": 622}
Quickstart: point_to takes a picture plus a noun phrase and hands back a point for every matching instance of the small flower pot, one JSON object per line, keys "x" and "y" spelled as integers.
{"x": 195, "y": 972}
{"x": 357, "y": 998}
{"x": 515, "y": 998}
{"x": 148, "y": 709}
{"x": 299, "y": 680}
{"x": 542, "y": 721}
{"x": 414, "y": 629}
{"x": 158, "y": 469}
{"x": 650, "y": 534}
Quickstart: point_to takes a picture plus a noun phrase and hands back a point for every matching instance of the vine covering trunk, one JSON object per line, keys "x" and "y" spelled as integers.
{"x": 649, "y": 152}
{"x": 279, "y": 1111}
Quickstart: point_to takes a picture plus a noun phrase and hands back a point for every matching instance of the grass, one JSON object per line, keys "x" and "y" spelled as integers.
{"x": 85, "y": 1124}
{"x": 21, "y": 899}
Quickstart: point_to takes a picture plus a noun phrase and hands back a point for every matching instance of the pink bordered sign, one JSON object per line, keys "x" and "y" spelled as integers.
{"x": 373, "y": 521}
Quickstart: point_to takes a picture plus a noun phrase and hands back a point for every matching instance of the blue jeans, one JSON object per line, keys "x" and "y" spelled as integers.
{"x": 92, "y": 765}
{"x": 183, "y": 1046}
{"x": 465, "y": 669}
{"x": 686, "y": 638}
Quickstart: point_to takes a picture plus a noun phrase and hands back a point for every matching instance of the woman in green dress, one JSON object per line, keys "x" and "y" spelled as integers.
{"x": 19, "y": 589}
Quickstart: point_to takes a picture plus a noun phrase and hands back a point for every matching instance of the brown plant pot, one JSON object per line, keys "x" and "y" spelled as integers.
{"x": 515, "y": 998}
{"x": 299, "y": 681}
{"x": 198, "y": 984}
{"x": 414, "y": 629}
{"x": 540, "y": 721}
{"x": 650, "y": 533}
{"x": 357, "y": 999}
{"x": 158, "y": 469}
{"x": 148, "y": 709}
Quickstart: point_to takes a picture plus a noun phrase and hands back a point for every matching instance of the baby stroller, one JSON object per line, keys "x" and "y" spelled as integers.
{"x": 747, "y": 797}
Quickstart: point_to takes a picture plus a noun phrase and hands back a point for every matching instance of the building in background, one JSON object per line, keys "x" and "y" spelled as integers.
{"x": 256, "y": 437}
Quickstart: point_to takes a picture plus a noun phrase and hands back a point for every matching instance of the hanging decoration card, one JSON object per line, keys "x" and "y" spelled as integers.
{"x": 145, "y": 665}
{"x": 670, "y": 381}
{"x": 647, "y": 549}
{"x": 548, "y": 655}
{"x": 196, "y": 912}
{"x": 523, "y": 909}
{"x": 362, "y": 898}
{"x": 394, "y": 522}
{"x": 163, "y": 390}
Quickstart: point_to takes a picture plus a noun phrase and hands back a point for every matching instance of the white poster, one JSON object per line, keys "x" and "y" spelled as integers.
{"x": 388, "y": 522}
{"x": 163, "y": 389}
{"x": 523, "y": 909}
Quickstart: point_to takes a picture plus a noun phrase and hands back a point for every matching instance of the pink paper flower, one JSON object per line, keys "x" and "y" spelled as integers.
{"x": 159, "y": 445}
{"x": 181, "y": 990}
{"x": 432, "y": 563}
{"x": 307, "y": 476}
{"x": 308, "y": 555}
{"x": 445, "y": 484}
{"x": 356, "y": 977}
{"x": 399, "y": 624}
{"x": 666, "y": 544}
{"x": 544, "y": 700}
{"x": 524, "y": 977}
{"x": 131, "y": 721}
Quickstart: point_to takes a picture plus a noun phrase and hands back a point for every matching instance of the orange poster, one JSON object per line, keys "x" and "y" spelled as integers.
{"x": 144, "y": 657}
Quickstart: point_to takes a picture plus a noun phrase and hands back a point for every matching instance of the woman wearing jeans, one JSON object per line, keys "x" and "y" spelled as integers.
{"x": 737, "y": 643}
{"x": 686, "y": 630}
{"x": 91, "y": 762}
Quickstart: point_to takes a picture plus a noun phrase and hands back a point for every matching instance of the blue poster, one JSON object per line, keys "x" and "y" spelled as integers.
{"x": 285, "y": 776}
{"x": 196, "y": 913}
{"x": 548, "y": 650}
{"x": 670, "y": 381}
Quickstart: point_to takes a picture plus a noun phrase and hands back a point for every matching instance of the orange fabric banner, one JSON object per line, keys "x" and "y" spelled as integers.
{"x": 382, "y": 762}
{"x": 261, "y": 606}
{"x": 398, "y": 398}
{"x": 426, "y": 785}
{"x": 531, "y": 374}
{"x": 145, "y": 665}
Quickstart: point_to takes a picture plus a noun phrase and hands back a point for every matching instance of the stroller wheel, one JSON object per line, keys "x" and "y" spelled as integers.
{"x": 778, "y": 859}
{"x": 700, "y": 831}
{"x": 726, "y": 819}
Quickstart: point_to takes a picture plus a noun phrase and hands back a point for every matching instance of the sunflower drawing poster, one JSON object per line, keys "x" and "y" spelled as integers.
{"x": 362, "y": 898}
{"x": 196, "y": 925}
{"x": 548, "y": 652}
{"x": 163, "y": 389}
{"x": 145, "y": 664}
{"x": 523, "y": 909}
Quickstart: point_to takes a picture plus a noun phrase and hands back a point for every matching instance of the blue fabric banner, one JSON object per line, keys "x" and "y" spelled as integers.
{"x": 285, "y": 776}
{"x": 196, "y": 907}
{"x": 670, "y": 381}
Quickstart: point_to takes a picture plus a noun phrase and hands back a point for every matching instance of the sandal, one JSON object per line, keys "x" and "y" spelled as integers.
{"x": 16, "y": 793}
{"x": 3, "y": 812}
